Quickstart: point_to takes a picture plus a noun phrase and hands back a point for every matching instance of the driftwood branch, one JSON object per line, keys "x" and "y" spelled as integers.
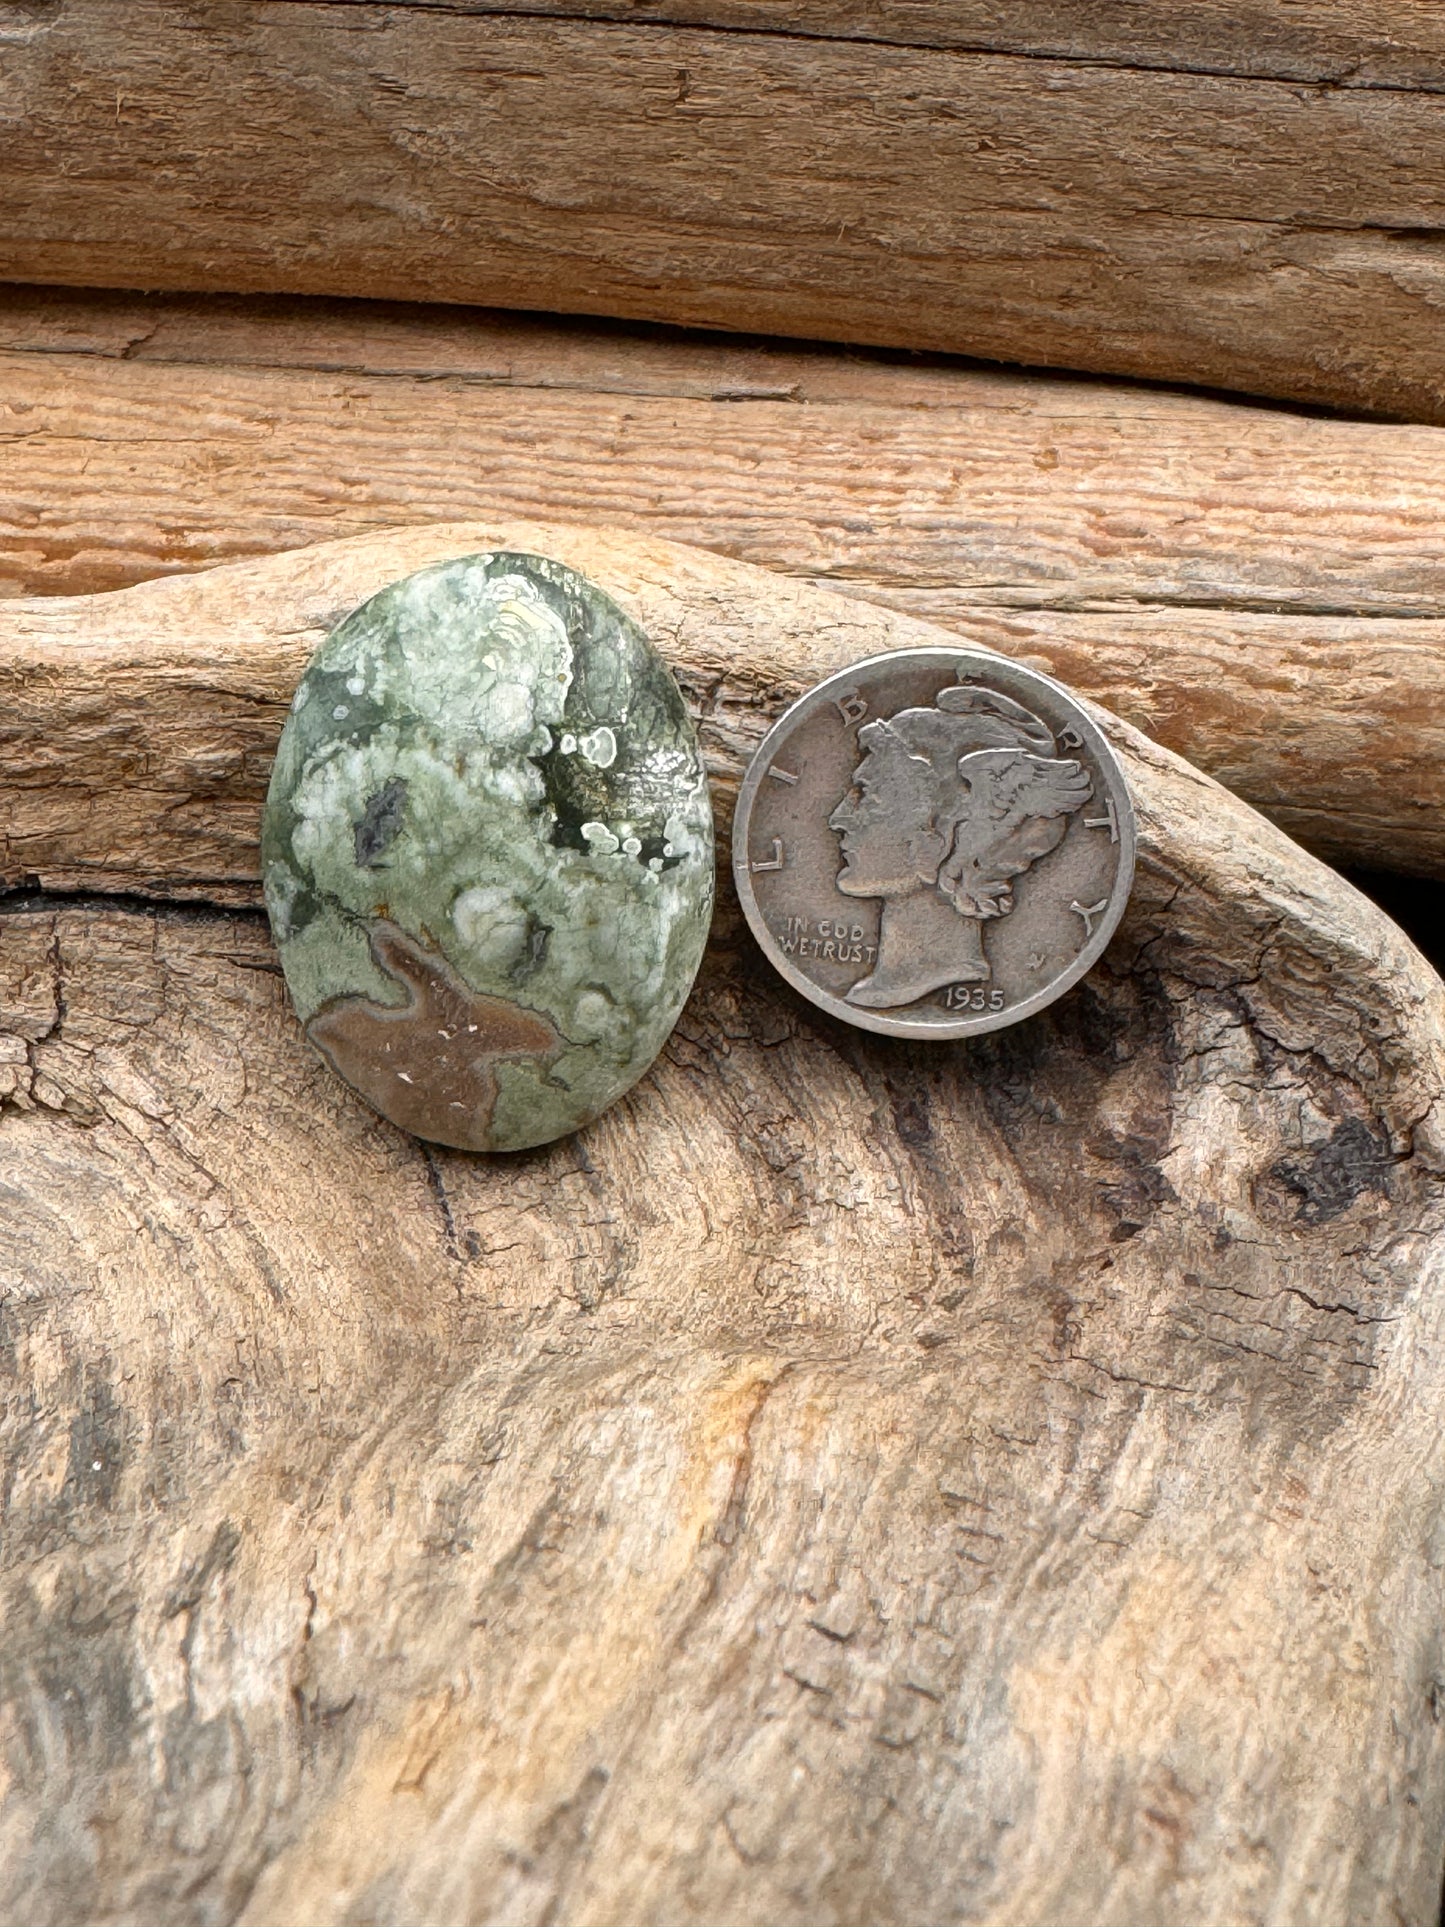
{"x": 853, "y": 1482}
{"x": 1261, "y": 591}
{"x": 1208, "y": 194}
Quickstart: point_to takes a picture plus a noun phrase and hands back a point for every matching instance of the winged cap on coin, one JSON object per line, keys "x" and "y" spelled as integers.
{"x": 949, "y": 803}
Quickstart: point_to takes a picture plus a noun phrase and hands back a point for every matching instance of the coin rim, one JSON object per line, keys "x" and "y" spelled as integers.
{"x": 885, "y": 1026}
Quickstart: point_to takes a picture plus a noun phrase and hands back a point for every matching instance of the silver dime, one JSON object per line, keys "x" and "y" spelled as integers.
{"x": 934, "y": 843}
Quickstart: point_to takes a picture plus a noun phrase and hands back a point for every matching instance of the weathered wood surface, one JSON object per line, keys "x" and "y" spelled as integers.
{"x": 133, "y": 766}
{"x": 1261, "y": 591}
{"x": 1262, "y": 217}
{"x": 1387, "y": 43}
{"x": 853, "y": 1483}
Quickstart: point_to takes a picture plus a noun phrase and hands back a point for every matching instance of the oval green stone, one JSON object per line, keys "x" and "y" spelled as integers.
{"x": 488, "y": 852}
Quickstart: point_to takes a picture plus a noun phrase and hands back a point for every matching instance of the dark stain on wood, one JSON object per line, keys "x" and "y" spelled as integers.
{"x": 1329, "y": 1180}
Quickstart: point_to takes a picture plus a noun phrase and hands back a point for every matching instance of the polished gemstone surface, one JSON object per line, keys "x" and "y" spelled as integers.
{"x": 488, "y": 852}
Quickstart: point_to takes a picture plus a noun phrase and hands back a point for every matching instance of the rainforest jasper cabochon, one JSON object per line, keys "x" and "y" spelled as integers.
{"x": 488, "y": 852}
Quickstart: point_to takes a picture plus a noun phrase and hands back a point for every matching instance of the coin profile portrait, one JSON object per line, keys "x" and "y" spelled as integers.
{"x": 950, "y": 803}
{"x": 934, "y": 843}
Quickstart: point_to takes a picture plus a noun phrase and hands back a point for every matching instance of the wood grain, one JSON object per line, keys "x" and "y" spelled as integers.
{"x": 1260, "y": 590}
{"x": 137, "y": 768}
{"x": 1388, "y": 43}
{"x": 1274, "y": 235}
{"x": 852, "y": 1483}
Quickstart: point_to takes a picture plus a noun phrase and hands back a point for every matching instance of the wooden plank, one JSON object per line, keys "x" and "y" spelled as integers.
{"x": 1259, "y": 234}
{"x": 1390, "y": 43}
{"x": 849, "y": 1484}
{"x": 1387, "y": 43}
{"x": 1260, "y": 590}
{"x": 1034, "y": 493}
{"x": 154, "y": 786}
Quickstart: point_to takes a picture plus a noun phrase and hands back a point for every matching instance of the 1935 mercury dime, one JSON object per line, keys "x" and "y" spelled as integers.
{"x": 934, "y": 843}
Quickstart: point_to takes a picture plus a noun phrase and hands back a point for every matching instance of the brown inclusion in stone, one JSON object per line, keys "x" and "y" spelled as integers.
{"x": 428, "y": 1064}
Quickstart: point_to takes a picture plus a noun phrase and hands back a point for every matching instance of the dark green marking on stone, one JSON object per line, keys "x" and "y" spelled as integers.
{"x": 380, "y": 822}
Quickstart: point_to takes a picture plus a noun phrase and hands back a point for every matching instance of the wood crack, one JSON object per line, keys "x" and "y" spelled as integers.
{"x": 994, "y": 203}
{"x": 520, "y": 1595}
{"x": 1342, "y": 79}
